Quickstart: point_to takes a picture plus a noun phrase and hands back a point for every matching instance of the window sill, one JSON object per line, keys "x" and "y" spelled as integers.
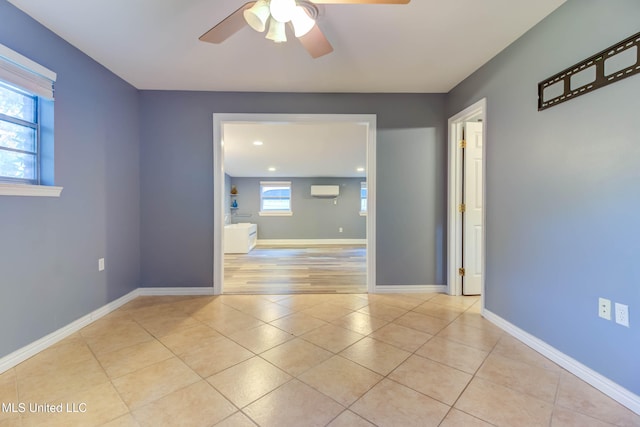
{"x": 29, "y": 190}
{"x": 275, "y": 213}
{"x": 363, "y": 213}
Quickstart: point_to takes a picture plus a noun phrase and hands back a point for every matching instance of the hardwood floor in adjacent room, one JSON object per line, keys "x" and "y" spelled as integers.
{"x": 297, "y": 269}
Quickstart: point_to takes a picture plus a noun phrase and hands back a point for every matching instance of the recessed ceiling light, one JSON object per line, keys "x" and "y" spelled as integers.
{"x": 272, "y": 169}
{"x": 360, "y": 169}
{"x": 258, "y": 142}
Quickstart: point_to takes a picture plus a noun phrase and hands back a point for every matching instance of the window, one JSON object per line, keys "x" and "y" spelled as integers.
{"x": 363, "y": 198}
{"x": 275, "y": 198}
{"x": 26, "y": 126}
{"x": 18, "y": 135}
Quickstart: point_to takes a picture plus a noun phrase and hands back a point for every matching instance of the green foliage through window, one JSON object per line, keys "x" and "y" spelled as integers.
{"x": 18, "y": 135}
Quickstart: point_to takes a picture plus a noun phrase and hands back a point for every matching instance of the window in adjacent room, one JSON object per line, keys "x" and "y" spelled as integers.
{"x": 275, "y": 198}
{"x": 363, "y": 198}
{"x": 26, "y": 123}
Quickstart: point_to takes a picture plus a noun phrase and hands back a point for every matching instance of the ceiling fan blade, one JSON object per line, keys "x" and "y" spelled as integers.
{"x": 360, "y": 1}
{"x": 316, "y": 43}
{"x": 228, "y": 26}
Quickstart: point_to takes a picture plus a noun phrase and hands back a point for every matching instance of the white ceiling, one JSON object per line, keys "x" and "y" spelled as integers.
{"x": 326, "y": 149}
{"x": 427, "y": 46}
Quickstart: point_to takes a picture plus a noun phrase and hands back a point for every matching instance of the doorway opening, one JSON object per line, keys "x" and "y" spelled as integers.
{"x": 466, "y": 207}
{"x": 220, "y": 190}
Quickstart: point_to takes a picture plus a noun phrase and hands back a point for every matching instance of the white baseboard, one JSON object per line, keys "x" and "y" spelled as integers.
{"x": 9, "y": 361}
{"x": 204, "y": 290}
{"x": 605, "y": 385}
{"x": 311, "y": 242}
{"x": 30, "y": 350}
{"x": 410, "y": 289}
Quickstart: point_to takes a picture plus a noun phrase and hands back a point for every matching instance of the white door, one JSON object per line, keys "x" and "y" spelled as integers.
{"x": 472, "y": 218}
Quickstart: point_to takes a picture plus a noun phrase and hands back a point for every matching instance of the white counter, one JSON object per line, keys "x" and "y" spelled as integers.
{"x": 240, "y": 238}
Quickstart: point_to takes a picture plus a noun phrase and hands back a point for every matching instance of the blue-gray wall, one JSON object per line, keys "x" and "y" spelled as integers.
{"x": 411, "y": 206}
{"x": 562, "y": 190}
{"x": 49, "y": 247}
{"x": 177, "y": 179}
{"x": 313, "y": 217}
{"x": 561, "y": 195}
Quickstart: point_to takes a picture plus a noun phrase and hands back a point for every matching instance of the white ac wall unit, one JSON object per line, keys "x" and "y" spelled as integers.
{"x": 325, "y": 190}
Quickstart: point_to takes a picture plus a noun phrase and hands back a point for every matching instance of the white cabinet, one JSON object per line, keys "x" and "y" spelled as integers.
{"x": 240, "y": 238}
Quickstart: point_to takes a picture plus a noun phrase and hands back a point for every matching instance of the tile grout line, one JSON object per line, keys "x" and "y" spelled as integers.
{"x": 129, "y": 314}
{"x": 387, "y": 376}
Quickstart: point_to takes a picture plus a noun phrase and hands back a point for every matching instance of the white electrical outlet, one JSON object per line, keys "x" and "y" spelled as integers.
{"x": 339, "y": 229}
{"x": 604, "y": 308}
{"x": 101, "y": 264}
{"x": 622, "y": 314}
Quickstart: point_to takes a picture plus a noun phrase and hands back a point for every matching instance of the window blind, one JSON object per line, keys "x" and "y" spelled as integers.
{"x": 25, "y": 74}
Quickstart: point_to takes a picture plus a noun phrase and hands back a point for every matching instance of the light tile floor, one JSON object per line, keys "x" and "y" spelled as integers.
{"x": 300, "y": 360}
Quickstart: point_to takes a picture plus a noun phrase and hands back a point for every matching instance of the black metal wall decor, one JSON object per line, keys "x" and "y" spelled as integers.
{"x": 613, "y": 64}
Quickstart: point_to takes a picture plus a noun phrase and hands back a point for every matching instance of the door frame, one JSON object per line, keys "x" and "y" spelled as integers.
{"x": 220, "y": 119}
{"x": 454, "y": 236}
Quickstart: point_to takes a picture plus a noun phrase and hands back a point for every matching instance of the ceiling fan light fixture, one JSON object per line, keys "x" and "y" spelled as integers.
{"x": 277, "y": 32}
{"x": 301, "y": 21}
{"x": 282, "y": 10}
{"x": 258, "y": 15}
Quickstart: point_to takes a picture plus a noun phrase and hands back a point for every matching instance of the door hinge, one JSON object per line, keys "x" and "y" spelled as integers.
{"x": 461, "y": 272}
{"x": 462, "y": 207}
{"x": 463, "y": 144}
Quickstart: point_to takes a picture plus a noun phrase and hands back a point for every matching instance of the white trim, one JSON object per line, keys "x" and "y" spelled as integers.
{"x": 275, "y": 183}
{"x": 218, "y": 204}
{"x": 454, "y": 259}
{"x": 23, "y": 73}
{"x": 22, "y": 354}
{"x": 27, "y": 63}
{"x": 311, "y": 242}
{"x": 204, "y": 290}
{"x": 605, "y": 385}
{"x": 29, "y": 190}
{"x": 219, "y": 119}
{"x": 371, "y": 171}
{"x": 410, "y": 289}
{"x": 275, "y": 213}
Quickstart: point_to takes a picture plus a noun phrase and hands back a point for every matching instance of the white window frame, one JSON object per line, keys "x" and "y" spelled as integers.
{"x": 32, "y": 123}
{"x": 363, "y": 186}
{"x": 283, "y": 212}
{"x": 20, "y": 72}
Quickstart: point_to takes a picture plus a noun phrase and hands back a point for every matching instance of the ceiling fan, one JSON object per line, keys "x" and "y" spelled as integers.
{"x": 274, "y": 14}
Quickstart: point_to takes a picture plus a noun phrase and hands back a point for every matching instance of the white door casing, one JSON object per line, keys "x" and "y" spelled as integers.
{"x": 472, "y": 217}
{"x": 219, "y": 119}
{"x": 473, "y": 113}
